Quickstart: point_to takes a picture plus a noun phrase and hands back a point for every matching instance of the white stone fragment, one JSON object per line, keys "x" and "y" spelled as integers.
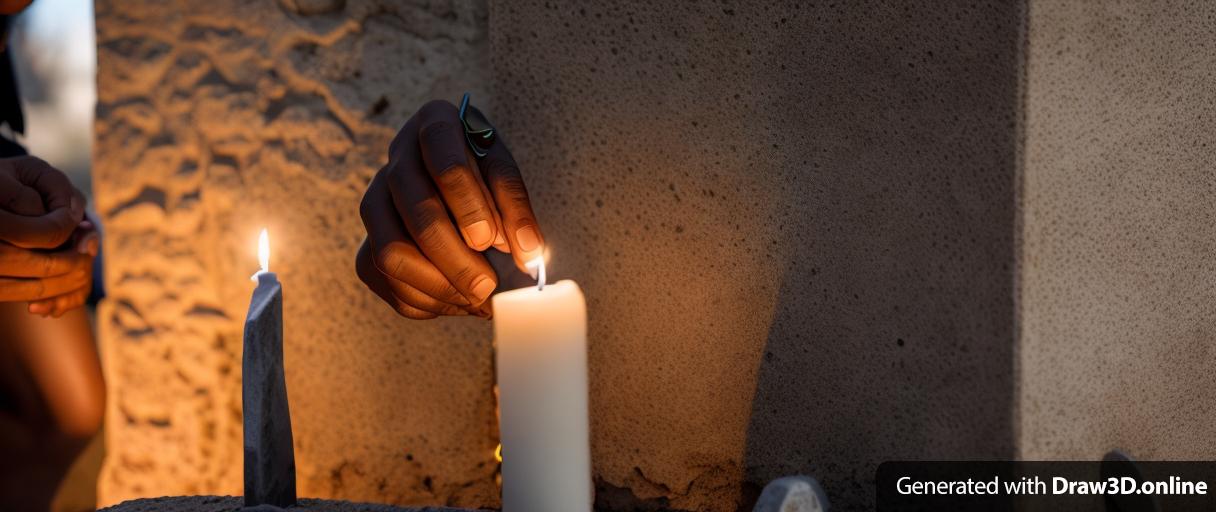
{"x": 792, "y": 494}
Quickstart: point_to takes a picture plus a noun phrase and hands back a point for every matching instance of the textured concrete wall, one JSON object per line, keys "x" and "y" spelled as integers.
{"x": 1119, "y": 263}
{"x": 217, "y": 118}
{"x": 794, "y": 223}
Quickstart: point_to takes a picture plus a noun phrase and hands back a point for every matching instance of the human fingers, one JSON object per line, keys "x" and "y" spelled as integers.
{"x": 393, "y": 253}
{"x": 42, "y": 232}
{"x": 418, "y": 299}
{"x": 17, "y": 198}
{"x": 51, "y": 183}
{"x": 500, "y": 241}
{"x": 376, "y": 282}
{"x": 506, "y": 184}
{"x": 37, "y": 203}
{"x": 60, "y": 304}
{"x": 441, "y": 139}
{"x": 424, "y": 216}
{"x": 18, "y": 262}
{"x": 18, "y": 289}
{"x": 63, "y": 205}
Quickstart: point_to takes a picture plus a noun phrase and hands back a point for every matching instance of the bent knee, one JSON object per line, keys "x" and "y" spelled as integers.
{"x": 83, "y": 416}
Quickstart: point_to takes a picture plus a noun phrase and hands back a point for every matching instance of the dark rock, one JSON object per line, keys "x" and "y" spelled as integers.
{"x": 234, "y": 504}
{"x": 313, "y": 7}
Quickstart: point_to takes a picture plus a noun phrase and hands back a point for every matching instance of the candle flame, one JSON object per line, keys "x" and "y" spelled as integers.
{"x": 264, "y": 250}
{"x": 537, "y": 269}
{"x": 263, "y": 253}
{"x": 498, "y": 449}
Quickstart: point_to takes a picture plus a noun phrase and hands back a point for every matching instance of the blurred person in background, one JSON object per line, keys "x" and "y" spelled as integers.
{"x": 52, "y": 395}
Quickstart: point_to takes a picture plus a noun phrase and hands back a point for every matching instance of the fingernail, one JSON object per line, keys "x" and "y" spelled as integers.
{"x": 482, "y": 289}
{"x": 37, "y": 308}
{"x": 479, "y": 234}
{"x": 527, "y": 238}
{"x": 84, "y": 224}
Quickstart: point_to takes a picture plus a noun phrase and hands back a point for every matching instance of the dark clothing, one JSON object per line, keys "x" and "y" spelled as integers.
{"x": 10, "y": 97}
{"x": 9, "y": 148}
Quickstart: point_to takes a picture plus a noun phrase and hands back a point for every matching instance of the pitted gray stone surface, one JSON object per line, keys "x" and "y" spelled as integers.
{"x": 1119, "y": 257}
{"x": 216, "y": 119}
{"x": 794, "y": 223}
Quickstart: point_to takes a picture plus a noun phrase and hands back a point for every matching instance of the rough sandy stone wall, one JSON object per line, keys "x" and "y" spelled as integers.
{"x": 217, "y": 118}
{"x": 794, "y": 224}
{"x": 1119, "y": 274}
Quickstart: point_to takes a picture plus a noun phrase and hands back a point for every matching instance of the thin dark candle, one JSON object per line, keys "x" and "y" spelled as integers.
{"x": 270, "y": 466}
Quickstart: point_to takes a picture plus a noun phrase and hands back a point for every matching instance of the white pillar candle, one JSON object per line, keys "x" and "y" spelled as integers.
{"x": 540, "y": 335}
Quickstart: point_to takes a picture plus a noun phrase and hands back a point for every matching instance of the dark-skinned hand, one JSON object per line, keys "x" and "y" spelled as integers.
{"x": 433, "y": 209}
{"x": 46, "y": 243}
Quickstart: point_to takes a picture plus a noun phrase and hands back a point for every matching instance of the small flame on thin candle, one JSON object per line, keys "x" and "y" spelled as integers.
{"x": 263, "y": 254}
{"x": 537, "y": 269}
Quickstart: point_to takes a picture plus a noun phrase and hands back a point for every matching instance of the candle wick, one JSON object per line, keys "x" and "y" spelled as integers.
{"x": 537, "y": 265}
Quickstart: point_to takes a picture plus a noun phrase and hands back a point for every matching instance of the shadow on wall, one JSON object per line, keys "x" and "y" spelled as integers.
{"x": 794, "y": 223}
{"x": 893, "y": 337}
